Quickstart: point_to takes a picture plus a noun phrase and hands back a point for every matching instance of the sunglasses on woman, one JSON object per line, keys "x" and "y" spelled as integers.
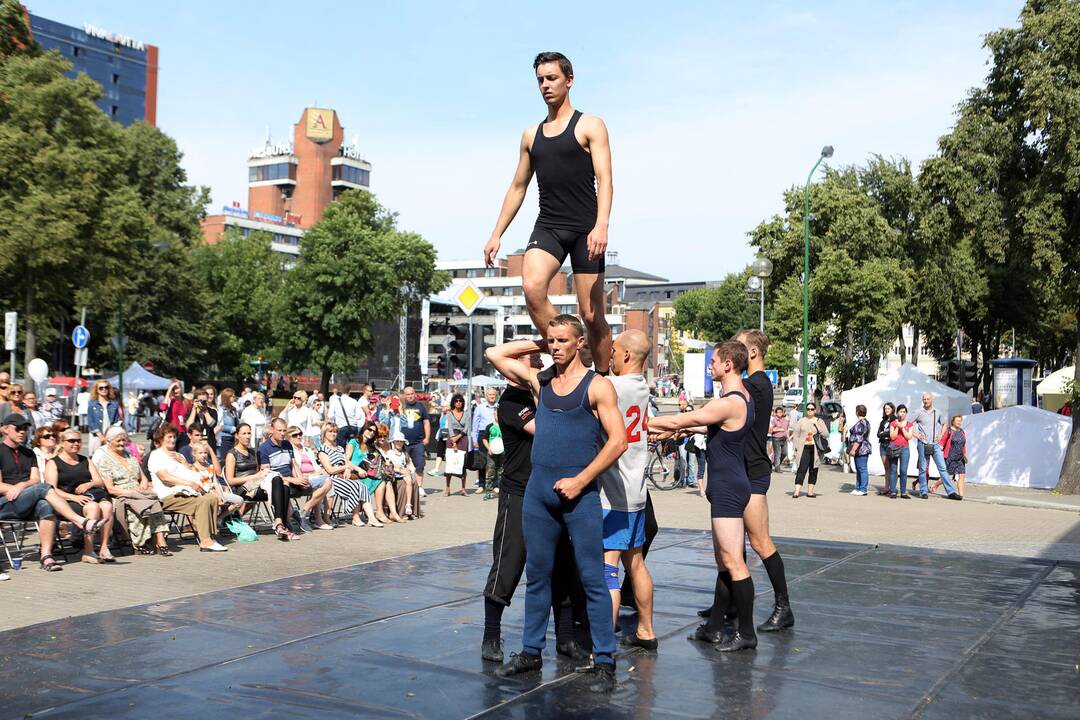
{"x": 74, "y": 440}
{"x": 47, "y": 436}
{"x": 296, "y": 435}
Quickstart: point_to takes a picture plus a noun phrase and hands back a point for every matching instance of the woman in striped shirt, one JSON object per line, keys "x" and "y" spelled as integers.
{"x": 353, "y": 493}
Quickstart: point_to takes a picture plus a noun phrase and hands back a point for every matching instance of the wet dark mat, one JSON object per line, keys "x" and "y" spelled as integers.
{"x": 882, "y": 632}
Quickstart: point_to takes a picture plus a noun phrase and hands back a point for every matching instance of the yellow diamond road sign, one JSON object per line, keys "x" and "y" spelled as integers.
{"x": 468, "y": 297}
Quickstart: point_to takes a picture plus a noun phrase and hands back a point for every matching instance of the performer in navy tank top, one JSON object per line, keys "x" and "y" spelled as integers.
{"x": 570, "y": 155}
{"x": 727, "y": 421}
{"x": 579, "y": 434}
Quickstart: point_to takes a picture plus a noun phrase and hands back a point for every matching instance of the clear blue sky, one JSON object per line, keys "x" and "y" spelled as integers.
{"x": 713, "y": 108}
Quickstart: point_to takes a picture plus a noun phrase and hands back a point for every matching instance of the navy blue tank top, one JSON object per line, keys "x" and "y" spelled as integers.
{"x": 724, "y": 449}
{"x": 567, "y": 432}
{"x": 565, "y": 178}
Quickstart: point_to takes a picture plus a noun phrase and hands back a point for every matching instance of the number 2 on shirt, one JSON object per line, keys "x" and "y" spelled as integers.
{"x": 639, "y": 421}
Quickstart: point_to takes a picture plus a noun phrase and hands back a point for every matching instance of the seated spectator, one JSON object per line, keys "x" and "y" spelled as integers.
{"x": 381, "y": 463}
{"x": 78, "y": 482}
{"x": 364, "y": 453}
{"x": 134, "y": 503}
{"x": 276, "y": 455}
{"x": 196, "y": 434}
{"x": 242, "y": 471}
{"x": 45, "y": 447}
{"x": 23, "y": 496}
{"x": 406, "y": 487}
{"x": 205, "y": 462}
{"x": 347, "y": 484}
{"x": 321, "y": 484}
{"x": 181, "y": 489}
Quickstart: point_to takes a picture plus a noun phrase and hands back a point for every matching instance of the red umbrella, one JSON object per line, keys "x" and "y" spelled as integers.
{"x": 68, "y": 381}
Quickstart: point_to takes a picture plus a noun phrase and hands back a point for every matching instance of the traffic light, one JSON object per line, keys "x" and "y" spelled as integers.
{"x": 483, "y": 338}
{"x": 969, "y": 372}
{"x": 953, "y": 374}
{"x": 457, "y": 345}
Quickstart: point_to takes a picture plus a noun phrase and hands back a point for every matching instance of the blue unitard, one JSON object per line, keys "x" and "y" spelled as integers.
{"x": 567, "y": 439}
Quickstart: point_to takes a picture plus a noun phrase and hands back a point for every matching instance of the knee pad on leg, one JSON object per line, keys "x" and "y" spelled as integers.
{"x": 611, "y": 574}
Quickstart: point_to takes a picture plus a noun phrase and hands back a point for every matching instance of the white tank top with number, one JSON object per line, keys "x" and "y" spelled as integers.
{"x": 622, "y": 486}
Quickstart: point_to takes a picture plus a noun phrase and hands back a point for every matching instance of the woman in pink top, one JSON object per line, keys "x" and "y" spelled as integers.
{"x": 177, "y": 410}
{"x": 778, "y": 433}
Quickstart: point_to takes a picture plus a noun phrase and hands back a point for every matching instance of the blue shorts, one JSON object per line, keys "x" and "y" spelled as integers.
{"x": 624, "y": 530}
{"x": 317, "y": 482}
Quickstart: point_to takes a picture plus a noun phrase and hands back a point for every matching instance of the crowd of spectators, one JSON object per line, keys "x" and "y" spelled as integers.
{"x": 213, "y": 463}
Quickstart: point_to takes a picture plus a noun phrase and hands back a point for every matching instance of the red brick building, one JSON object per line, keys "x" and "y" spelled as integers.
{"x": 291, "y": 183}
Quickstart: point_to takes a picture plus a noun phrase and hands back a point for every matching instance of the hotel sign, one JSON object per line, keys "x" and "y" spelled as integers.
{"x": 320, "y": 124}
{"x": 95, "y": 31}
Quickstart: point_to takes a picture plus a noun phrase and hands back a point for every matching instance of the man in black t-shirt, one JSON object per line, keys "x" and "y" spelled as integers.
{"x": 23, "y": 495}
{"x": 759, "y": 470}
{"x": 517, "y": 408}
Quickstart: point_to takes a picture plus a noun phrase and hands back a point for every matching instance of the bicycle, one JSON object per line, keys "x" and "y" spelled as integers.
{"x": 663, "y": 470}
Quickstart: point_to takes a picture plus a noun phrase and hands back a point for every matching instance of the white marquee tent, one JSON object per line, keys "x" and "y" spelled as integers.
{"x": 904, "y": 385}
{"x": 1020, "y": 446}
{"x": 1052, "y": 390}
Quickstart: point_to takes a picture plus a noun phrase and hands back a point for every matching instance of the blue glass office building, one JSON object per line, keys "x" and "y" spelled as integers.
{"x": 125, "y": 68}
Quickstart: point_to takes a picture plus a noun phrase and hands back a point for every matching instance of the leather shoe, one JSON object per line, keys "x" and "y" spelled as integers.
{"x": 520, "y": 663}
{"x": 571, "y": 649}
{"x": 781, "y": 617}
{"x": 956, "y": 496}
{"x": 737, "y": 642}
{"x": 603, "y": 678}
{"x": 635, "y": 641}
{"x": 704, "y": 633}
{"x": 492, "y": 650}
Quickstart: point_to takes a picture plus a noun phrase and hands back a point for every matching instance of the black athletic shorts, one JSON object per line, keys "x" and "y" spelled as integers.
{"x": 561, "y": 243}
{"x": 760, "y": 486}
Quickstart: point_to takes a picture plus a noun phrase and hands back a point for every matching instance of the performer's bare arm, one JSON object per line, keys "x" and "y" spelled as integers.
{"x": 507, "y": 360}
{"x": 514, "y": 197}
{"x": 606, "y": 405}
{"x": 596, "y": 136}
{"x": 714, "y": 412}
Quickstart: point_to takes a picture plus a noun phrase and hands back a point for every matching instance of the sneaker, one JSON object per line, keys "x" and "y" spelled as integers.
{"x": 488, "y": 496}
{"x": 408, "y": 509}
{"x": 4, "y": 576}
{"x": 435, "y": 473}
{"x": 854, "y": 492}
{"x": 300, "y": 521}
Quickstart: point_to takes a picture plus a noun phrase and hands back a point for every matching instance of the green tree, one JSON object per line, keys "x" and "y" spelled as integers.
{"x": 15, "y": 36}
{"x": 717, "y": 313}
{"x": 355, "y": 268}
{"x": 243, "y": 279}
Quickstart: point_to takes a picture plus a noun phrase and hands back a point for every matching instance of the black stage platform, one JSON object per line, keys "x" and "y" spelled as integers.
{"x": 882, "y": 633}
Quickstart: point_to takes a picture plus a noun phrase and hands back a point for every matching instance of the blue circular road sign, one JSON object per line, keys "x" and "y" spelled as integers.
{"x": 80, "y": 336}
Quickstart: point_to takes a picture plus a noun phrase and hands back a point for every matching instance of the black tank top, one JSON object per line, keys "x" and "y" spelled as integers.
{"x": 564, "y": 175}
{"x": 69, "y": 477}
{"x": 724, "y": 449}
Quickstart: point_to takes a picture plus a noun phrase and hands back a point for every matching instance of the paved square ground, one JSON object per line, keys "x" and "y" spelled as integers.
{"x": 882, "y": 632}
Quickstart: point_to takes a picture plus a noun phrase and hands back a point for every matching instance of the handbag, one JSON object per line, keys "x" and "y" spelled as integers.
{"x": 475, "y": 460}
{"x": 455, "y": 461}
{"x": 893, "y": 451}
{"x": 821, "y": 442}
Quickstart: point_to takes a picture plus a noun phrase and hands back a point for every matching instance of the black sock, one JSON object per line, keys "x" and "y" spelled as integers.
{"x": 774, "y": 565}
{"x": 721, "y": 600}
{"x": 743, "y": 591}
{"x": 564, "y": 623}
{"x": 492, "y": 619}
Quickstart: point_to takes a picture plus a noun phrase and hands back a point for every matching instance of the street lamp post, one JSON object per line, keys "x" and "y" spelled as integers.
{"x": 826, "y": 152}
{"x": 762, "y": 268}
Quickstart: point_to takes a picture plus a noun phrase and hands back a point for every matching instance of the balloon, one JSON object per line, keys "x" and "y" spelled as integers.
{"x": 37, "y": 369}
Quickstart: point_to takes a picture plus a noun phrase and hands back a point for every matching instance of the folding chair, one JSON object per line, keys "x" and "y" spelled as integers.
{"x": 179, "y": 523}
{"x": 17, "y": 530}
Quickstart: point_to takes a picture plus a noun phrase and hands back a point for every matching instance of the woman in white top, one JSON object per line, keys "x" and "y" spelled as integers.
{"x": 298, "y": 414}
{"x": 255, "y": 416}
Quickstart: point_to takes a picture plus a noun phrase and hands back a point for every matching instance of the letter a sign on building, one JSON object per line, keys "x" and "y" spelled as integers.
{"x": 320, "y": 124}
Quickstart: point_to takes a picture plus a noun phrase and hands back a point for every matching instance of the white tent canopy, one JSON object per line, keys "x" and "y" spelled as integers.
{"x": 1052, "y": 390}
{"x": 1019, "y": 446}
{"x": 903, "y": 386}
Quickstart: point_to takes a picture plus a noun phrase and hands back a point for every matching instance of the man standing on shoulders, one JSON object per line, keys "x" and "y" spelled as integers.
{"x": 570, "y": 155}
{"x": 759, "y": 471}
{"x": 622, "y": 487}
{"x": 929, "y": 427}
{"x": 579, "y": 434}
